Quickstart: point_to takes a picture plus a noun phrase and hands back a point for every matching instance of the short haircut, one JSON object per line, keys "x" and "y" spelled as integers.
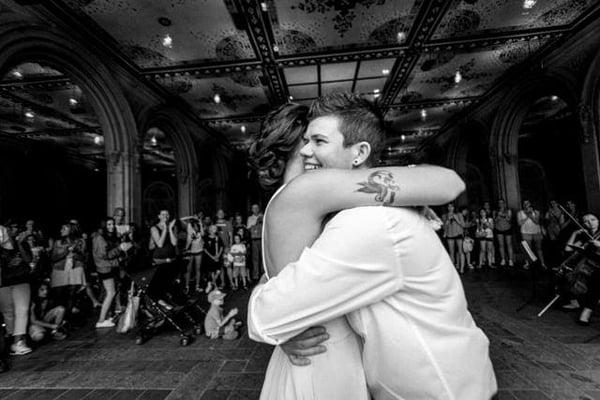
{"x": 360, "y": 120}
{"x": 280, "y": 134}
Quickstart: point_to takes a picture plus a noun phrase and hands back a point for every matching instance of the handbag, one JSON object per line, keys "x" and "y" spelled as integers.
{"x": 128, "y": 319}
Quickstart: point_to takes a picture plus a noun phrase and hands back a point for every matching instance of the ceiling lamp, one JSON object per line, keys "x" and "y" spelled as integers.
{"x": 263, "y": 6}
{"x": 554, "y": 98}
{"x": 167, "y": 41}
{"x": 153, "y": 141}
{"x": 291, "y": 98}
{"x": 276, "y": 48}
{"x": 243, "y": 128}
{"x": 217, "y": 98}
{"x": 423, "y": 113}
{"x": 528, "y": 4}
{"x": 376, "y": 95}
{"x": 29, "y": 114}
{"x": 401, "y": 37}
{"x": 73, "y": 102}
{"x": 96, "y": 169}
{"x": 376, "y": 91}
{"x": 97, "y": 139}
{"x": 403, "y": 137}
{"x": 457, "y": 77}
{"x": 385, "y": 71}
{"x": 17, "y": 74}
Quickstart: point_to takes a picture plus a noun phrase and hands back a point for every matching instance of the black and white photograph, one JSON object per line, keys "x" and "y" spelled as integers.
{"x": 300, "y": 199}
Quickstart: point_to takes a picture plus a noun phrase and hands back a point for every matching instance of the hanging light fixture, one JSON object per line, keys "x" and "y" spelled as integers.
{"x": 73, "y": 102}
{"x": 529, "y": 4}
{"x": 97, "y": 139}
{"x": 554, "y": 98}
{"x": 167, "y": 41}
{"x": 29, "y": 114}
{"x": 403, "y": 137}
{"x": 217, "y": 98}
{"x": 17, "y": 74}
{"x": 291, "y": 98}
{"x": 263, "y": 6}
{"x": 153, "y": 141}
{"x": 457, "y": 77}
{"x": 385, "y": 71}
{"x": 423, "y": 113}
{"x": 401, "y": 36}
{"x": 243, "y": 128}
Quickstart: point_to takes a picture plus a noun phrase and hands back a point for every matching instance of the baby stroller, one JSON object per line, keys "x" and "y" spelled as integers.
{"x": 181, "y": 312}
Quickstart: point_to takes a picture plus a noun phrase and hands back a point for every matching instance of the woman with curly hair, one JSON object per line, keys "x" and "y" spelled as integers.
{"x": 337, "y": 373}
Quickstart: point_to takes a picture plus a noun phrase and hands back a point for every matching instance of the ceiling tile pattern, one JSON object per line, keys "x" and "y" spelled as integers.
{"x": 200, "y": 30}
{"x": 240, "y": 93}
{"x": 434, "y": 74}
{"x": 255, "y": 54}
{"x": 474, "y": 17}
{"x": 304, "y": 26}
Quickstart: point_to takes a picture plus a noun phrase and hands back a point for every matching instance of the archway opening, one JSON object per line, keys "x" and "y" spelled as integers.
{"x": 159, "y": 174}
{"x": 52, "y": 149}
{"x": 549, "y": 153}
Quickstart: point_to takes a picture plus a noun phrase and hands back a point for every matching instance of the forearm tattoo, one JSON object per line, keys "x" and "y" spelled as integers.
{"x": 381, "y": 183}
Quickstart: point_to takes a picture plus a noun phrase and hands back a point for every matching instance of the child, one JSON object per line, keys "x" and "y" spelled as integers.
{"x": 238, "y": 252}
{"x": 215, "y": 325}
{"x": 44, "y": 317}
{"x": 213, "y": 248}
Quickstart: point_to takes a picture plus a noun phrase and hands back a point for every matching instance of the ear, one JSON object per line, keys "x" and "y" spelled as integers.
{"x": 362, "y": 151}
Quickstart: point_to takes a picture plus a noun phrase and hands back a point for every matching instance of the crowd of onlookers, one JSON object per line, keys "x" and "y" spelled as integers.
{"x": 491, "y": 237}
{"x": 51, "y": 283}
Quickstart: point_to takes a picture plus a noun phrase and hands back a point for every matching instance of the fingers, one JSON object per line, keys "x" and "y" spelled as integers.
{"x": 313, "y": 351}
{"x": 309, "y": 333}
{"x": 299, "y": 361}
{"x": 311, "y": 342}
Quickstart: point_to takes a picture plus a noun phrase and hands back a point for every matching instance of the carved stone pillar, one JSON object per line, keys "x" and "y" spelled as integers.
{"x": 590, "y": 157}
{"x": 187, "y": 181}
{"x": 124, "y": 188}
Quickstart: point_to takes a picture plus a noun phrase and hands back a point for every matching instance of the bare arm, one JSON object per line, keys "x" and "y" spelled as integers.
{"x": 295, "y": 215}
{"x": 159, "y": 238}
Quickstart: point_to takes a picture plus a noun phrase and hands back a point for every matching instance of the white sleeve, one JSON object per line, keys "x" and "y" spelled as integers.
{"x": 351, "y": 265}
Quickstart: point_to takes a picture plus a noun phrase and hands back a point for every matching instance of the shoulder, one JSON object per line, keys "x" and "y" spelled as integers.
{"x": 373, "y": 220}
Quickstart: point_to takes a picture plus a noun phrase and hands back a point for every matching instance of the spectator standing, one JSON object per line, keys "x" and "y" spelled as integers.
{"x": 485, "y": 234}
{"x": 213, "y": 248}
{"x": 254, "y": 225}
{"x": 531, "y": 230}
{"x": 194, "y": 250}
{"x": 238, "y": 252}
{"x": 68, "y": 274}
{"x": 468, "y": 241}
{"x": 454, "y": 225}
{"x": 163, "y": 244}
{"x": 504, "y": 233}
{"x": 15, "y": 292}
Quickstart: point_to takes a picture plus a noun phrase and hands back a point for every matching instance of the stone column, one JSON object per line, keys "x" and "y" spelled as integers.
{"x": 124, "y": 184}
{"x": 505, "y": 171}
{"x": 187, "y": 181}
{"x": 590, "y": 158}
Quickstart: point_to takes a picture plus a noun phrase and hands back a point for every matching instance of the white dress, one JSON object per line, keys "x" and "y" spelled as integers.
{"x": 336, "y": 374}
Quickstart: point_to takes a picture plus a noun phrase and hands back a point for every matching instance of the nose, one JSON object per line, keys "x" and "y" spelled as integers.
{"x": 306, "y": 151}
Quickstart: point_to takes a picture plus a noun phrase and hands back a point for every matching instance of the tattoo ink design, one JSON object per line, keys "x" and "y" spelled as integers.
{"x": 382, "y": 183}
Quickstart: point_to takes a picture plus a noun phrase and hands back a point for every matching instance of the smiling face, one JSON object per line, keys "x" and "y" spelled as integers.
{"x": 65, "y": 230}
{"x": 324, "y": 145}
{"x": 164, "y": 216}
{"x": 110, "y": 225}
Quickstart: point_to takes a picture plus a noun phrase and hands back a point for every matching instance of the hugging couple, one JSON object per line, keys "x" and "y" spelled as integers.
{"x": 359, "y": 295}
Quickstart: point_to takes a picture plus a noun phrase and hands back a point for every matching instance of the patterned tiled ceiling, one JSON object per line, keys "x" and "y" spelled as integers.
{"x": 38, "y": 103}
{"x": 257, "y": 54}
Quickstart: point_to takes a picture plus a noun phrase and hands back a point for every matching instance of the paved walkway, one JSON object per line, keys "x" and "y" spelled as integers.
{"x": 535, "y": 358}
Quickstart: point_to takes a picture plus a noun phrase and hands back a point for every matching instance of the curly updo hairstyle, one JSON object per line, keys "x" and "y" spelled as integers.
{"x": 280, "y": 133}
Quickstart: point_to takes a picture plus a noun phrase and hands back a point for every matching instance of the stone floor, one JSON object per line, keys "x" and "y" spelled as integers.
{"x": 535, "y": 358}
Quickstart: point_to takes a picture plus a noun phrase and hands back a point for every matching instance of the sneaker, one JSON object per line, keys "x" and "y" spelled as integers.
{"x": 165, "y": 305}
{"x": 502, "y": 263}
{"x": 107, "y": 323}
{"x": 58, "y": 335}
{"x": 572, "y": 305}
{"x": 20, "y": 348}
{"x": 511, "y": 263}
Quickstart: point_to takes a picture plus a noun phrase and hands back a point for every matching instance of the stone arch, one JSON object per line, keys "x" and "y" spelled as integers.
{"x": 20, "y": 43}
{"x": 507, "y": 124}
{"x": 589, "y": 117}
{"x": 171, "y": 122}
